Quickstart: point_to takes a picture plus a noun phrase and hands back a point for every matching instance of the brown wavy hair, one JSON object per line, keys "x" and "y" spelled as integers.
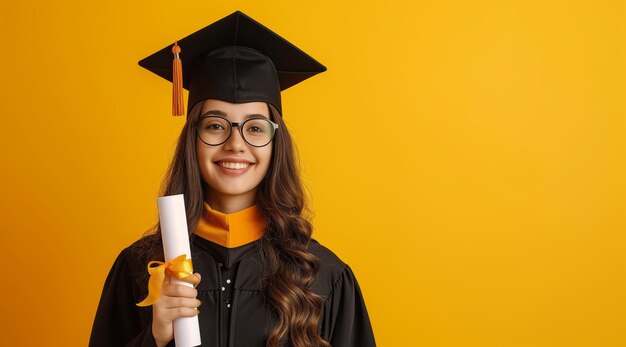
{"x": 289, "y": 270}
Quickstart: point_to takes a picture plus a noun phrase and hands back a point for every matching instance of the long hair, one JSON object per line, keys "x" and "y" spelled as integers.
{"x": 288, "y": 269}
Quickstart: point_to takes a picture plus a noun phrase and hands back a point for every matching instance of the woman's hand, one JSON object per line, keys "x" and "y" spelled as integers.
{"x": 175, "y": 301}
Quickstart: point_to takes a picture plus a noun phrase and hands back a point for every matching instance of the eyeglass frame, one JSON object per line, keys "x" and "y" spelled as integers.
{"x": 232, "y": 125}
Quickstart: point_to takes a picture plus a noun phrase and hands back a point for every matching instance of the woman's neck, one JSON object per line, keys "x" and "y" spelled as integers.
{"x": 231, "y": 203}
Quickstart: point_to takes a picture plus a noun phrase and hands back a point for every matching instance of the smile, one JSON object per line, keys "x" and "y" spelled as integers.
{"x": 233, "y": 166}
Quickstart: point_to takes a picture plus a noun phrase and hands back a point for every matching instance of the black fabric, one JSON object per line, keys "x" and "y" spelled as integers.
{"x": 235, "y": 59}
{"x": 119, "y": 322}
{"x": 226, "y": 256}
{"x": 235, "y": 74}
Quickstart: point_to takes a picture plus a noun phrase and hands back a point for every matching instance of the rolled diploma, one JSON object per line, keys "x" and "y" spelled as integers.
{"x": 176, "y": 242}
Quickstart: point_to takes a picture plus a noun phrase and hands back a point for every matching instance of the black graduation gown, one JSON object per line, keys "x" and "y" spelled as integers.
{"x": 233, "y": 312}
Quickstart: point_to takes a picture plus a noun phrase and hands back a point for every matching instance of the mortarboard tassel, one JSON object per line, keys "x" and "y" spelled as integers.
{"x": 178, "y": 105}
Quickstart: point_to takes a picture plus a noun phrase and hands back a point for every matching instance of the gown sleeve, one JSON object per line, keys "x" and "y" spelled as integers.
{"x": 346, "y": 322}
{"x": 118, "y": 321}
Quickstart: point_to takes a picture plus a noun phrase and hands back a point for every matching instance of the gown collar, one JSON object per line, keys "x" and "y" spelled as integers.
{"x": 231, "y": 230}
{"x": 226, "y": 257}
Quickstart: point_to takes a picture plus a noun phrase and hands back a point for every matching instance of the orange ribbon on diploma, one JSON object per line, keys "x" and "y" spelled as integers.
{"x": 179, "y": 268}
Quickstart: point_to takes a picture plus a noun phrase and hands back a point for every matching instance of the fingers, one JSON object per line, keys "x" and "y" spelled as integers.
{"x": 165, "y": 316}
{"x": 178, "y": 296}
{"x": 193, "y": 279}
{"x": 171, "y": 289}
{"x": 175, "y": 302}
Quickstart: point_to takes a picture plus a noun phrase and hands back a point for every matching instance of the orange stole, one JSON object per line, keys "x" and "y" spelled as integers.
{"x": 231, "y": 229}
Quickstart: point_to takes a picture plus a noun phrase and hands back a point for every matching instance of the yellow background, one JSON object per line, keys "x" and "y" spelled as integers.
{"x": 466, "y": 158}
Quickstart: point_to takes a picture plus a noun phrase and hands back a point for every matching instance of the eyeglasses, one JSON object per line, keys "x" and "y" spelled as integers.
{"x": 215, "y": 130}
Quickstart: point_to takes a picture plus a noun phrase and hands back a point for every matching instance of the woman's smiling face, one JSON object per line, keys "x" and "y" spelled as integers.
{"x": 233, "y": 169}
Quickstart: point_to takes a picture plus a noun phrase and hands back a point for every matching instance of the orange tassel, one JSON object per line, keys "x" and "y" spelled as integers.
{"x": 178, "y": 104}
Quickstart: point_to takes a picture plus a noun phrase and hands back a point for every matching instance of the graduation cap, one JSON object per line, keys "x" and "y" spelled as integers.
{"x": 235, "y": 59}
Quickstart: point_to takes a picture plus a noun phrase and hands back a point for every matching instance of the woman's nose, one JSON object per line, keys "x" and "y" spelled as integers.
{"x": 235, "y": 143}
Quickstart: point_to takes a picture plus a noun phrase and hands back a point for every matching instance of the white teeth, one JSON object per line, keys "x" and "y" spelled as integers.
{"x": 236, "y": 166}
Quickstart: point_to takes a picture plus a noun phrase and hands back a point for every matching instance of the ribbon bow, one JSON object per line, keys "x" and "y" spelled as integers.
{"x": 179, "y": 267}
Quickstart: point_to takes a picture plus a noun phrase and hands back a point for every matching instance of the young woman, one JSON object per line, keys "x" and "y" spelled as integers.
{"x": 261, "y": 279}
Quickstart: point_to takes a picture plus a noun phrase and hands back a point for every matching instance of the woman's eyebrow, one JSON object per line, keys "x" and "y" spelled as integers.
{"x": 255, "y": 115}
{"x": 216, "y": 112}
